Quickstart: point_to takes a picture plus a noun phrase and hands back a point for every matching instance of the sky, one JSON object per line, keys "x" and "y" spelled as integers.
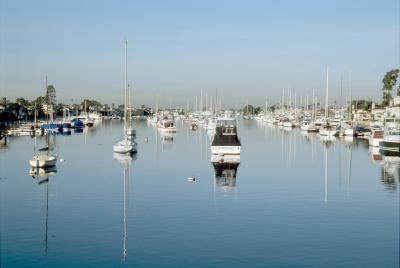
{"x": 251, "y": 51}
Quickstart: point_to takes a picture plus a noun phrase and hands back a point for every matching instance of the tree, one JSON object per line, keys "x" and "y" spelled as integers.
{"x": 91, "y": 104}
{"x": 51, "y": 95}
{"x": 389, "y": 81}
{"x": 23, "y": 102}
{"x": 39, "y": 102}
{"x": 248, "y": 109}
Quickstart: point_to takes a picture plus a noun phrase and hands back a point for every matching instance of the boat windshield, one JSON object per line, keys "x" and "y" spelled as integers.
{"x": 226, "y": 122}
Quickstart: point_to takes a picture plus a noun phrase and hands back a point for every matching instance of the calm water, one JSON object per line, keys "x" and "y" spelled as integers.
{"x": 295, "y": 202}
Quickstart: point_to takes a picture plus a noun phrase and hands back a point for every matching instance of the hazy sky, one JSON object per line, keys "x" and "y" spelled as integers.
{"x": 249, "y": 50}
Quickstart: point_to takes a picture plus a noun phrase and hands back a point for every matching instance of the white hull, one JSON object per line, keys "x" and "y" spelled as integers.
{"x": 225, "y": 150}
{"x": 374, "y": 142}
{"x": 329, "y": 133}
{"x": 349, "y": 132}
{"x": 231, "y": 159}
{"x": 42, "y": 161}
{"x": 125, "y": 146}
{"x": 167, "y": 130}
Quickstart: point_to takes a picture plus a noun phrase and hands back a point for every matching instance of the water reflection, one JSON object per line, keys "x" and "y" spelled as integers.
{"x": 167, "y": 138}
{"x": 42, "y": 175}
{"x": 125, "y": 161}
{"x": 390, "y": 167}
{"x": 225, "y": 170}
{"x": 390, "y": 174}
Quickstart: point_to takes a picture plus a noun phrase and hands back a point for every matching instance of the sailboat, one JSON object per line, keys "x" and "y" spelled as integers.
{"x": 44, "y": 157}
{"x": 127, "y": 144}
{"x": 327, "y": 129}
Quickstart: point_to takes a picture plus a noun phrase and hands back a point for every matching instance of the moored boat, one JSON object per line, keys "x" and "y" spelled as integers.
{"x": 225, "y": 141}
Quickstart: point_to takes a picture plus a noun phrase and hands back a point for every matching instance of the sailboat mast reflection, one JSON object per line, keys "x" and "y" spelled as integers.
{"x": 125, "y": 160}
{"x": 41, "y": 175}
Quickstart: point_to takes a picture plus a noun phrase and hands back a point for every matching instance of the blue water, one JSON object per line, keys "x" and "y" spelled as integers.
{"x": 281, "y": 211}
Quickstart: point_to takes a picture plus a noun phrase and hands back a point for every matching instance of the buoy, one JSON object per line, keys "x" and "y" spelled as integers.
{"x": 62, "y": 160}
{"x": 191, "y": 179}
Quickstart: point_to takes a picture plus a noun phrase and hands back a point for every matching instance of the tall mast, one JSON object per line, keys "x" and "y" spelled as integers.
{"x": 201, "y": 101}
{"x": 351, "y": 104}
{"x": 326, "y": 93}
{"x": 126, "y": 83}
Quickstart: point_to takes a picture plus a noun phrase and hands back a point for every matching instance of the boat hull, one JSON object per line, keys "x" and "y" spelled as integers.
{"x": 225, "y": 150}
{"x": 391, "y": 146}
{"x": 38, "y": 162}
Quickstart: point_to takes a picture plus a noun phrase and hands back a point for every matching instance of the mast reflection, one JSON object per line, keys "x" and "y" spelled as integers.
{"x": 42, "y": 175}
{"x": 125, "y": 161}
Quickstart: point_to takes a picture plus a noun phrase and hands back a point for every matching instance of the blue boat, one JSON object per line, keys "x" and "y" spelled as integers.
{"x": 77, "y": 123}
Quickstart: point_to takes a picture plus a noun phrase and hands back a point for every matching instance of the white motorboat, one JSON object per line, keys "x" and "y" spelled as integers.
{"x": 226, "y": 141}
{"x": 376, "y": 137}
{"x": 167, "y": 126}
{"x": 391, "y": 138}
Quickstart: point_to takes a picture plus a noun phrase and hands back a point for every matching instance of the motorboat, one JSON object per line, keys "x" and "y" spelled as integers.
{"x": 391, "y": 139}
{"x": 225, "y": 141}
{"x": 167, "y": 126}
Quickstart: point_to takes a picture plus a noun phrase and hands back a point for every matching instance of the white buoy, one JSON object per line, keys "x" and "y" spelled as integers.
{"x": 62, "y": 160}
{"x": 191, "y": 179}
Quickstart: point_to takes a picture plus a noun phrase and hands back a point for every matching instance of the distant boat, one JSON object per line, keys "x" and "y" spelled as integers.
{"x": 167, "y": 126}
{"x": 77, "y": 123}
{"x": 391, "y": 138}
{"x": 376, "y": 137}
{"x": 327, "y": 129}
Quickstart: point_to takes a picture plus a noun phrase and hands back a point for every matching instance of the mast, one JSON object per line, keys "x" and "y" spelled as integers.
{"x": 206, "y": 101}
{"x": 126, "y": 84}
{"x": 326, "y": 93}
{"x": 351, "y": 101}
{"x": 201, "y": 101}
{"x": 313, "y": 111}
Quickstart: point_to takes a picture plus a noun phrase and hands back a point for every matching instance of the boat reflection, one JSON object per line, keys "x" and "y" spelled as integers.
{"x": 390, "y": 171}
{"x": 126, "y": 161}
{"x": 390, "y": 167}
{"x": 225, "y": 170}
{"x": 42, "y": 176}
{"x": 167, "y": 138}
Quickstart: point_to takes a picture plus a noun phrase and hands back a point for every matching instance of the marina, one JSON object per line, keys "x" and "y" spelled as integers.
{"x": 200, "y": 134}
{"x": 284, "y": 190}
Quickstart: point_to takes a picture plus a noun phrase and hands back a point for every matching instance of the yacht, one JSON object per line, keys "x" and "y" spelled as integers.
{"x": 167, "y": 126}
{"x": 376, "y": 137}
{"x": 391, "y": 138}
{"x": 225, "y": 141}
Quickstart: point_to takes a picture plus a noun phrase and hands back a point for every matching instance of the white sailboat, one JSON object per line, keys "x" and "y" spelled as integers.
{"x": 327, "y": 129}
{"x": 44, "y": 157}
{"x": 126, "y": 145}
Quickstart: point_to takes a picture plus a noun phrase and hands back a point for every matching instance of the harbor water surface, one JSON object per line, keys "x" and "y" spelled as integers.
{"x": 296, "y": 201}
